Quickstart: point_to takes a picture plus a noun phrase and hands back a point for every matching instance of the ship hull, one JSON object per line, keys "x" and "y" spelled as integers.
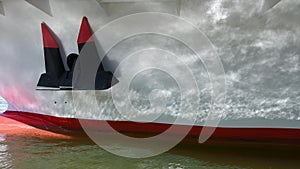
{"x": 73, "y": 127}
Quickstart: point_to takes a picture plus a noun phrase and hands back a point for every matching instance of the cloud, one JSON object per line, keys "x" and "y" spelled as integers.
{"x": 260, "y": 51}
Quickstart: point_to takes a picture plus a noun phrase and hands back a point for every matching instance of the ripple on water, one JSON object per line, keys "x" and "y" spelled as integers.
{"x": 28, "y": 153}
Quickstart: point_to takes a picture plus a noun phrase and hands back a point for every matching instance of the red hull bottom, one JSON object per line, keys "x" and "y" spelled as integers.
{"x": 72, "y": 127}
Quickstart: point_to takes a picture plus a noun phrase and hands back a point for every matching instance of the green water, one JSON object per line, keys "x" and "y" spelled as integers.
{"x": 26, "y": 152}
{"x": 23, "y": 152}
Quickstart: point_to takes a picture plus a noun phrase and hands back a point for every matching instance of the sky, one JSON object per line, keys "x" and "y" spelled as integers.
{"x": 259, "y": 49}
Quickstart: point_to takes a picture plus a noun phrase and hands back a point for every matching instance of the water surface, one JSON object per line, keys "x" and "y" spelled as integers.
{"x": 29, "y": 148}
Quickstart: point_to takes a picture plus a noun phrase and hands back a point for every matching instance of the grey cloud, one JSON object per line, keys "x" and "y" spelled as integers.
{"x": 2, "y": 12}
{"x": 260, "y": 52}
{"x": 118, "y": 8}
